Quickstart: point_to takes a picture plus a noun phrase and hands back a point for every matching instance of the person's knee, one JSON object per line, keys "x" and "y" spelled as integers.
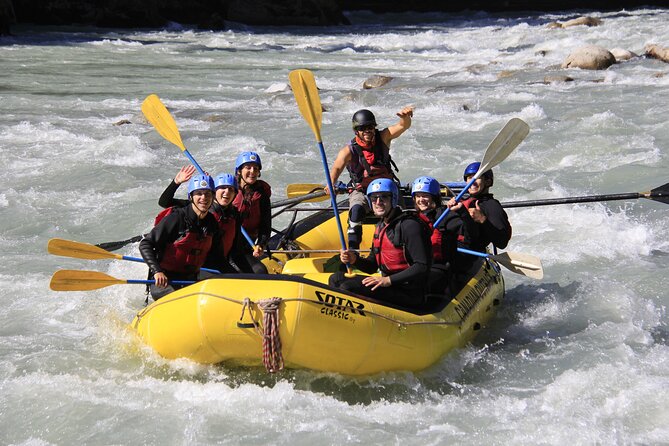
{"x": 259, "y": 268}
{"x": 335, "y": 279}
{"x": 357, "y": 213}
{"x": 157, "y": 292}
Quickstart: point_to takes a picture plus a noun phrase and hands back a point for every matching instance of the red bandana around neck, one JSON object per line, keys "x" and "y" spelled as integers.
{"x": 363, "y": 144}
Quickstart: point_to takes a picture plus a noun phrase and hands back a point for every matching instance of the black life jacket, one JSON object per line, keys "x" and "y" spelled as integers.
{"x": 362, "y": 172}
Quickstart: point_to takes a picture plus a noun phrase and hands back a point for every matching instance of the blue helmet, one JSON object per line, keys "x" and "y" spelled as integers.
{"x": 200, "y": 182}
{"x": 384, "y": 185}
{"x": 225, "y": 179}
{"x": 427, "y": 185}
{"x": 473, "y": 168}
{"x": 247, "y": 157}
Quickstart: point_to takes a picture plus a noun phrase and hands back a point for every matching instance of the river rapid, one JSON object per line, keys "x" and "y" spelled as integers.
{"x": 580, "y": 357}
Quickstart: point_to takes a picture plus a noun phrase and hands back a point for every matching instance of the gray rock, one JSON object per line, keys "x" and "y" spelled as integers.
{"x": 376, "y": 82}
{"x": 557, "y": 78}
{"x": 622, "y": 54}
{"x": 657, "y": 52}
{"x": 590, "y": 57}
{"x": 585, "y": 20}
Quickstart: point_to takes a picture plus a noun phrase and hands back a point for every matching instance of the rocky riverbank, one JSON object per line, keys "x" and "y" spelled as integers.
{"x": 213, "y": 14}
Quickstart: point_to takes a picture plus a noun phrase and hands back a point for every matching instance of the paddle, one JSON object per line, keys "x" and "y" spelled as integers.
{"x": 79, "y": 250}
{"x": 161, "y": 119}
{"x": 75, "y": 280}
{"x": 523, "y": 264}
{"x": 660, "y": 194}
{"x": 113, "y": 246}
{"x": 290, "y": 201}
{"x": 306, "y": 95}
{"x": 300, "y": 190}
{"x": 512, "y": 134}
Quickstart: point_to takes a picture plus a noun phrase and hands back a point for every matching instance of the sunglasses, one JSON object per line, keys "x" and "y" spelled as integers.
{"x": 365, "y": 128}
{"x": 382, "y": 197}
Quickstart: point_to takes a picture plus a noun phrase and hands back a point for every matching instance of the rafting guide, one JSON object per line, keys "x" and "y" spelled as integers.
{"x": 366, "y": 157}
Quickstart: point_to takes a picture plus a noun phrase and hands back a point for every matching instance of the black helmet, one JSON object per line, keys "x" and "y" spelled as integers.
{"x": 362, "y": 118}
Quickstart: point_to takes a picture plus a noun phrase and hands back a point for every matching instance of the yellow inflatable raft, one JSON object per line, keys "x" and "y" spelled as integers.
{"x": 221, "y": 320}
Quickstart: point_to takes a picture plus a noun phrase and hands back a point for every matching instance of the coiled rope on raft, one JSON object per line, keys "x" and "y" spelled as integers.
{"x": 272, "y": 358}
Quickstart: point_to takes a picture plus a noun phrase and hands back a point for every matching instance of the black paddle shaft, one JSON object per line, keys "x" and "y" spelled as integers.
{"x": 658, "y": 194}
{"x": 113, "y": 246}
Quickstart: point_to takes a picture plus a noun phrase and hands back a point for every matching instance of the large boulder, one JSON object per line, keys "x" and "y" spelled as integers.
{"x": 657, "y": 52}
{"x": 622, "y": 54}
{"x": 590, "y": 57}
{"x": 580, "y": 21}
{"x": 376, "y": 82}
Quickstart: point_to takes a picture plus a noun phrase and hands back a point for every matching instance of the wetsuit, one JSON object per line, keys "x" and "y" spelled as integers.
{"x": 496, "y": 230}
{"x": 445, "y": 243}
{"x": 179, "y": 245}
{"x": 411, "y": 248}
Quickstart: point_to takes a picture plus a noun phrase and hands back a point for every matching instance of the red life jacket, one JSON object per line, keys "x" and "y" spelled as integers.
{"x": 435, "y": 239}
{"x": 389, "y": 250}
{"x": 249, "y": 208}
{"x": 366, "y": 165}
{"x": 465, "y": 242}
{"x": 469, "y": 202}
{"x": 188, "y": 253}
{"x": 162, "y": 214}
{"x": 228, "y": 226}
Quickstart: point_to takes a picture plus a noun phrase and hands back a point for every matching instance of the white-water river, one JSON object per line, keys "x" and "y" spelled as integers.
{"x": 580, "y": 357}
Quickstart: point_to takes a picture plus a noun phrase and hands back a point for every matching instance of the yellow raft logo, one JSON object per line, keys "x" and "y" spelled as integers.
{"x": 467, "y": 303}
{"x": 339, "y": 307}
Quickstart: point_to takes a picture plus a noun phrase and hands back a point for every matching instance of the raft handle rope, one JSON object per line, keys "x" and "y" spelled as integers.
{"x": 271, "y": 342}
{"x": 400, "y": 324}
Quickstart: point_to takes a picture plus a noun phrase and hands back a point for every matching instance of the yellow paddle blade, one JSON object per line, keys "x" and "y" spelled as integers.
{"x": 161, "y": 119}
{"x": 300, "y": 190}
{"x": 306, "y": 95}
{"x": 523, "y": 264}
{"x": 78, "y": 250}
{"x": 75, "y": 280}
